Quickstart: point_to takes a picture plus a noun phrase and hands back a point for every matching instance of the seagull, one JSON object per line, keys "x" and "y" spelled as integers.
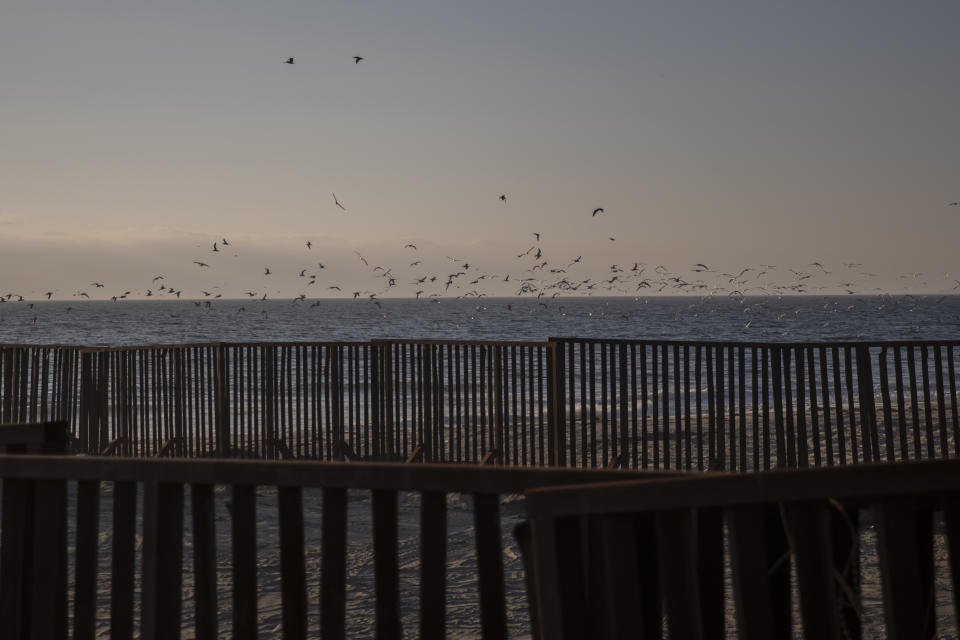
{"x": 200, "y": 264}
{"x": 97, "y": 285}
{"x": 537, "y": 236}
{"x": 266, "y": 271}
{"x": 309, "y": 244}
{"x": 357, "y": 59}
{"x": 410, "y": 246}
{"x": 337, "y": 202}
{"x": 224, "y": 242}
{"x": 362, "y": 259}
{"x": 596, "y": 211}
{"x": 503, "y": 197}
{"x": 289, "y": 61}
{"x": 215, "y": 247}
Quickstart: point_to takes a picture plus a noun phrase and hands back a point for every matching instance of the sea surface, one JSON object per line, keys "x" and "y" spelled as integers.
{"x": 770, "y": 318}
{"x": 766, "y": 318}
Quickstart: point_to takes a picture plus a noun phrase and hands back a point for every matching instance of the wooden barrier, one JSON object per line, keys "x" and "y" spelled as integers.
{"x": 564, "y": 402}
{"x": 39, "y": 610}
{"x": 607, "y": 556}
{"x": 754, "y": 406}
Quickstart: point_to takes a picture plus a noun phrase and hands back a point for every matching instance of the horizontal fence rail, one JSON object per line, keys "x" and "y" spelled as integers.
{"x": 143, "y": 539}
{"x": 574, "y": 402}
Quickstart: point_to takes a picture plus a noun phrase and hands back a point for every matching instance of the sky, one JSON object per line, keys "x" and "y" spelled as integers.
{"x": 134, "y": 135}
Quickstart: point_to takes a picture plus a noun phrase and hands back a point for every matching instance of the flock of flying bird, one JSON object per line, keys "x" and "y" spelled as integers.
{"x": 533, "y": 275}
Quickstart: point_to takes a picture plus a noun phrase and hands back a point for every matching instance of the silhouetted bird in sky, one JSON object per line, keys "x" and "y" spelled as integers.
{"x": 98, "y": 285}
{"x": 357, "y": 59}
{"x": 503, "y": 197}
{"x": 309, "y": 244}
{"x": 596, "y": 211}
{"x": 410, "y": 246}
{"x": 215, "y": 247}
{"x": 200, "y": 264}
{"x": 289, "y": 61}
{"x": 266, "y": 271}
{"x": 48, "y": 294}
{"x": 337, "y": 202}
{"x": 954, "y": 204}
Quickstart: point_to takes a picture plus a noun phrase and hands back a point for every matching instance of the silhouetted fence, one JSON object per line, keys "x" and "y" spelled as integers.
{"x": 615, "y": 560}
{"x": 144, "y": 589}
{"x": 567, "y": 401}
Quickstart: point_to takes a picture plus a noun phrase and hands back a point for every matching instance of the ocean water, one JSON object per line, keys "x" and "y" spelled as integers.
{"x": 766, "y": 318}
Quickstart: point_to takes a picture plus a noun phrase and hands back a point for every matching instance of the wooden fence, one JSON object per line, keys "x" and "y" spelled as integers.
{"x": 564, "y": 402}
{"x": 46, "y": 592}
{"x": 809, "y": 553}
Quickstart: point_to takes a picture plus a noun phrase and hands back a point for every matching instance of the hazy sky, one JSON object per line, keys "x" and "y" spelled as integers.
{"x": 134, "y": 134}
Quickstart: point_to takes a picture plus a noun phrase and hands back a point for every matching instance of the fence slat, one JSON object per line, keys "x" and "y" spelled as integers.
{"x": 293, "y": 571}
{"x": 386, "y": 569}
{"x": 490, "y": 565}
{"x": 244, "y": 532}
{"x": 87, "y": 539}
{"x": 433, "y": 564}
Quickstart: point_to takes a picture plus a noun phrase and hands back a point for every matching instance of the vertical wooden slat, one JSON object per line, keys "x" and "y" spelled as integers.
{"x": 433, "y": 565}
{"x": 687, "y": 423}
{"x": 887, "y": 410}
{"x": 48, "y": 600}
{"x": 914, "y": 404}
{"x": 386, "y": 569}
{"x": 838, "y": 399}
{"x": 953, "y": 401}
{"x": 900, "y": 571}
{"x": 814, "y": 408}
{"x": 712, "y": 463}
{"x": 665, "y": 425}
{"x": 293, "y": 571}
{"x": 644, "y": 439}
{"x": 87, "y": 539}
{"x": 244, "y": 532}
{"x": 742, "y": 404}
{"x": 490, "y": 565}
{"x": 204, "y": 561}
{"x": 679, "y": 572}
{"x": 16, "y": 549}
{"x": 590, "y": 377}
{"x": 809, "y": 525}
{"x": 655, "y": 404}
{"x": 122, "y": 560}
{"x": 333, "y": 567}
{"x": 901, "y": 408}
{"x": 749, "y": 555}
{"x": 791, "y": 433}
{"x": 166, "y": 548}
{"x": 941, "y": 402}
{"x": 927, "y": 410}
